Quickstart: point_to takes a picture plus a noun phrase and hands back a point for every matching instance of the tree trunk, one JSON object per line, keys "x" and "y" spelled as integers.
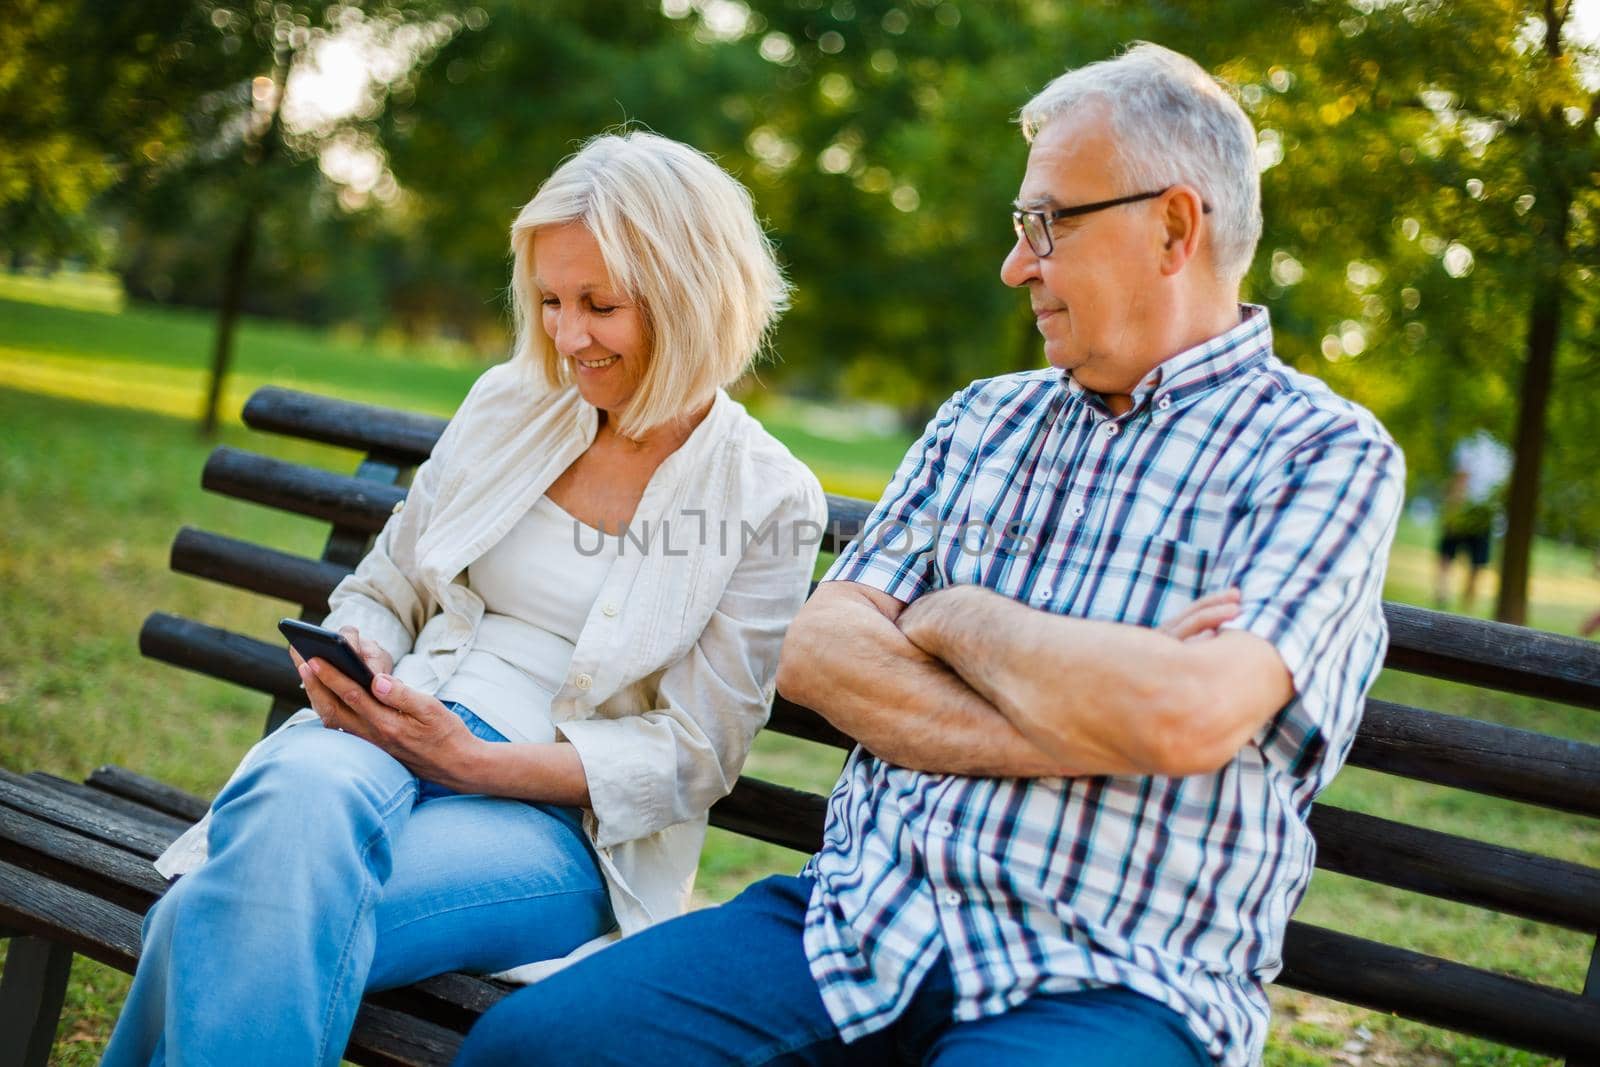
{"x": 1538, "y": 372}
{"x": 1522, "y": 502}
{"x": 258, "y": 154}
{"x": 237, "y": 272}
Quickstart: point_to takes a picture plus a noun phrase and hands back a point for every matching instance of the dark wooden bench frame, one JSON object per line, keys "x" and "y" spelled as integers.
{"x": 74, "y": 857}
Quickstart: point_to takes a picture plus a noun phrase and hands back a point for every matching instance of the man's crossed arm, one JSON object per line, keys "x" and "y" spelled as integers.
{"x": 966, "y": 681}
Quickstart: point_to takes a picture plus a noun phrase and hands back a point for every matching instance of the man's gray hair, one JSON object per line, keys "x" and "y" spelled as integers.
{"x": 1172, "y": 123}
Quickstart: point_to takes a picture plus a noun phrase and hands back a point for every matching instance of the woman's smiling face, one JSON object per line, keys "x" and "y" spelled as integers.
{"x": 591, "y": 321}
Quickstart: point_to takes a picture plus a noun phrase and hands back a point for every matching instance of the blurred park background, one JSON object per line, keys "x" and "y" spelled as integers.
{"x": 200, "y": 197}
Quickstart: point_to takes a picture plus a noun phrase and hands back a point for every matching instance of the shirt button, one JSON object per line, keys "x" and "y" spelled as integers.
{"x": 1046, "y": 593}
{"x": 1111, "y": 429}
{"x": 945, "y": 829}
{"x": 399, "y": 506}
{"x": 609, "y": 611}
{"x": 1077, "y": 511}
{"x": 1164, "y": 403}
{"x": 583, "y": 681}
{"x": 952, "y": 898}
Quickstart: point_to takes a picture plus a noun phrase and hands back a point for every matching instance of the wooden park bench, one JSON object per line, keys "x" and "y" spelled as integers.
{"x": 75, "y": 872}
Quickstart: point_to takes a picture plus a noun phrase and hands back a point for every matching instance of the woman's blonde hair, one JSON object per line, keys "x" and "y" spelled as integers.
{"x": 680, "y": 237}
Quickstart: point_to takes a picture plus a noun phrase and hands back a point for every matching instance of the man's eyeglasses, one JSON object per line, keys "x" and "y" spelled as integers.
{"x": 1034, "y": 226}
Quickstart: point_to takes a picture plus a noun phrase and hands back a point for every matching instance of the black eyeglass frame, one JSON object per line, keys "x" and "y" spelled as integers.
{"x": 1020, "y": 216}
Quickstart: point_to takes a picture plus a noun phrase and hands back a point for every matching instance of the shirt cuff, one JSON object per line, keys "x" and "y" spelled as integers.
{"x": 621, "y": 781}
{"x": 901, "y": 577}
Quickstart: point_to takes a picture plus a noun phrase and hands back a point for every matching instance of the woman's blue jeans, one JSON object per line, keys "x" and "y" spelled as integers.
{"x": 333, "y": 871}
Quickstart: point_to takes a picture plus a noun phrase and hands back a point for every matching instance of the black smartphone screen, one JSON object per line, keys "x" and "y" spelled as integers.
{"x": 313, "y": 642}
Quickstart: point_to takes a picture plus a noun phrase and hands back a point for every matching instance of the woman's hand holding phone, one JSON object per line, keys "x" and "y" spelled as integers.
{"x": 343, "y": 656}
{"x": 411, "y": 726}
{"x": 371, "y": 653}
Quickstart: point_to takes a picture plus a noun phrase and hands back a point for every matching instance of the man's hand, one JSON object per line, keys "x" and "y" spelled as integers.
{"x": 1199, "y": 621}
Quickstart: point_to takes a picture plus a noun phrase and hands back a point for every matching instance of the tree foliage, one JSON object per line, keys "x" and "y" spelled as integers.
{"x": 1428, "y": 176}
{"x": 92, "y": 93}
{"x": 1430, "y": 239}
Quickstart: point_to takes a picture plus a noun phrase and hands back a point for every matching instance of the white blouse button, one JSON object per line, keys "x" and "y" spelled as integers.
{"x": 1164, "y": 403}
{"x": 945, "y": 829}
{"x": 1077, "y": 511}
{"x": 609, "y": 611}
{"x": 1111, "y": 429}
{"x": 952, "y": 898}
{"x": 583, "y": 681}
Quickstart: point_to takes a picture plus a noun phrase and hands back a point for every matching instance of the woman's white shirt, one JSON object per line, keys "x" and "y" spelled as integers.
{"x": 538, "y": 583}
{"x": 673, "y": 672}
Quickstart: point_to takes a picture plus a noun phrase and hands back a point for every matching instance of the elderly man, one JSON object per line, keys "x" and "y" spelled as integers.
{"x": 1102, "y": 642}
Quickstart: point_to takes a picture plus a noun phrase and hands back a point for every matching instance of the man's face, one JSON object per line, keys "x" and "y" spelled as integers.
{"x": 1090, "y": 294}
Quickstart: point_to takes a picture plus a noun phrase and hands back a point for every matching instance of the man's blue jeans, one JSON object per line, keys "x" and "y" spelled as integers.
{"x": 333, "y": 870}
{"x": 731, "y": 985}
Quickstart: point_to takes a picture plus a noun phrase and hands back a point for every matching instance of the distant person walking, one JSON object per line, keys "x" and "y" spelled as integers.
{"x": 1478, "y": 470}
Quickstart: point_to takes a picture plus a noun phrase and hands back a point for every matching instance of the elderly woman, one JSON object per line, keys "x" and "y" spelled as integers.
{"x": 574, "y": 621}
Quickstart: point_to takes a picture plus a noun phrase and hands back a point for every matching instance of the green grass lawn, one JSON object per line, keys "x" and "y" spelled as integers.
{"x": 100, "y": 464}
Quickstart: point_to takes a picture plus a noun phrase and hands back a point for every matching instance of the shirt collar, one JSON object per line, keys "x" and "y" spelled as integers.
{"x": 1202, "y": 367}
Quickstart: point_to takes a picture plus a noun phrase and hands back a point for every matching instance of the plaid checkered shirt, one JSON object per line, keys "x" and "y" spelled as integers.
{"x": 1231, "y": 469}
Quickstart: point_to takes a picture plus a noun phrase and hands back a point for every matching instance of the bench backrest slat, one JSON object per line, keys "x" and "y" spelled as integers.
{"x": 405, "y": 437}
{"x": 1453, "y": 995}
{"x": 1483, "y": 757}
{"x": 796, "y": 721}
{"x": 1457, "y": 868}
{"x": 219, "y": 653}
{"x": 1495, "y": 655}
{"x": 345, "y": 501}
{"x": 244, "y": 565}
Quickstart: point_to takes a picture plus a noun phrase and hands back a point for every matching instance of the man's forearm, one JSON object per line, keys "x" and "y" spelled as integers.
{"x": 1107, "y": 697}
{"x": 850, "y": 663}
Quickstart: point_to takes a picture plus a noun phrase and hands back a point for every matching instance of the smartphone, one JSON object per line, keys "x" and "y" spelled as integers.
{"x": 313, "y": 642}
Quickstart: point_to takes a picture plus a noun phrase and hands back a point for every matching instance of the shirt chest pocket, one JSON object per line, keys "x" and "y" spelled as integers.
{"x": 1143, "y": 581}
